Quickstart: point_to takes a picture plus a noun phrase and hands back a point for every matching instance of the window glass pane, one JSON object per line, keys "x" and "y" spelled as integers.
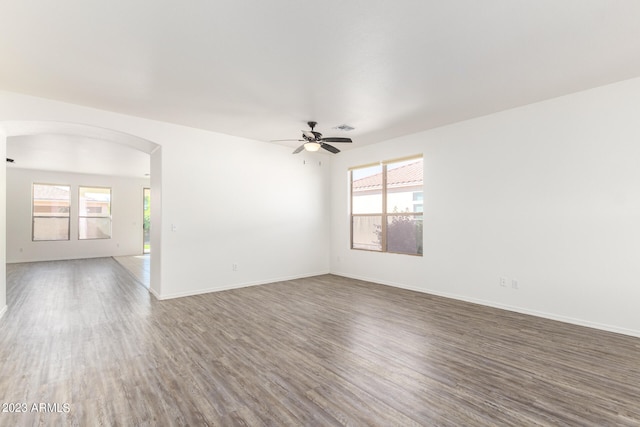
{"x": 50, "y": 228}
{"x": 404, "y": 234}
{"x": 95, "y": 202}
{"x": 50, "y": 200}
{"x": 51, "y": 208}
{"x": 367, "y": 232}
{"x": 366, "y": 190}
{"x": 94, "y": 208}
{"x": 50, "y": 212}
{"x": 94, "y": 228}
{"x": 404, "y": 186}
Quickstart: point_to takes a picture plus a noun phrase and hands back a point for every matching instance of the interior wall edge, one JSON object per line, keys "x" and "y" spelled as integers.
{"x": 154, "y": 293}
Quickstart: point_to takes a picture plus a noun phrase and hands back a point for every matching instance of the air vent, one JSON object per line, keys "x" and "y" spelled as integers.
{"x": 345, "y": 128}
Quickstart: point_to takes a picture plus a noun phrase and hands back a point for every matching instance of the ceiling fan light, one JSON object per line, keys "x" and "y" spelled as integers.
{"x": 312, "y": 146}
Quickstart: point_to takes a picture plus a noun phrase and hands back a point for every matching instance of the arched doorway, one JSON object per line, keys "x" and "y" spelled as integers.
{"x": 13, "y": 130}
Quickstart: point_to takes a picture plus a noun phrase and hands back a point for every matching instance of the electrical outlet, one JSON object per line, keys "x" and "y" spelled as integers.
{"x": 234, "y": 267}
{"x": 515, "y": 284}
{"x": 503, "y": 282}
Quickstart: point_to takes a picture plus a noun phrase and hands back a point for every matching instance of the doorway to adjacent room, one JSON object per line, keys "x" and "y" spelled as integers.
{"x": 146, "y": 221}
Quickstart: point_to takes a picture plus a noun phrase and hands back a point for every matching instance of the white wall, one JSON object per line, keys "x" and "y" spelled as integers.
{"x": 126, "y": 208}
{"x": 547, "y": 194}
{"x": 156, "y": 224}
{"x": 232, "y": 201}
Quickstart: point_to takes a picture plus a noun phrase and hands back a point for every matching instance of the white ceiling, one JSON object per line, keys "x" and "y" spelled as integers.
{"x": 79, "y": 154}
{"x": 261, "y": 69}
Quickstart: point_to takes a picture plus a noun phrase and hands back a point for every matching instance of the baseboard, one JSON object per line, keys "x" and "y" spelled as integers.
{"x": 154, "y": 293}
{"x": 493, "y": 304}
{"x": 3, "y": 311}
{"x": 234, "y": 286}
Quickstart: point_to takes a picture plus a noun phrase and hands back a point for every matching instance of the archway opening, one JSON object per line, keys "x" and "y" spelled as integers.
{"x": 73, "y": 142}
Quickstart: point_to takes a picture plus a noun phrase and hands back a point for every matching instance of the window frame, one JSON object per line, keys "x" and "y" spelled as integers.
{"x": 34, "y": 216}
{"x": 109, "y": 216}
{"x": 384, "y": 214}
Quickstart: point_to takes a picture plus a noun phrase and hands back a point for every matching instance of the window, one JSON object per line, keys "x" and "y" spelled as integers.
{"x": 94, "y": 213}
{"x": 50, "y": 212}
{"x": 387, "y": 205}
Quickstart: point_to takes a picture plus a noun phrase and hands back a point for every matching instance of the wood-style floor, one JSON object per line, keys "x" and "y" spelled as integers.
{"x": 321, "y": 351}
{"x": 139, "y": 266}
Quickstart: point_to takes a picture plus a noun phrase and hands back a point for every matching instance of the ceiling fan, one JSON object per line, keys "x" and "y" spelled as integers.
{"x": 313, "y": 141}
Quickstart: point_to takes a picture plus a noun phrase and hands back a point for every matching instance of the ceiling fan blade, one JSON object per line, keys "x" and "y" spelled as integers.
{"x": 283, "y": 140}
{"x": 299, "y": 149}
{"x": 336, "y": 139}
{"x": 330, "y": 148}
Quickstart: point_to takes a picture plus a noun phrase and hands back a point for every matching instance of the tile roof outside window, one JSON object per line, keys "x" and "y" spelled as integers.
{"x": 404, "y": 176}
{"x": 50, "y": 192}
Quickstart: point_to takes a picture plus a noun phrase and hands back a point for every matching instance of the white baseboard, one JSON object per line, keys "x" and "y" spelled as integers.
{"x": 154, "y": 293}
{"x": 234, "y": 286}
{"x": 542, "y": 314}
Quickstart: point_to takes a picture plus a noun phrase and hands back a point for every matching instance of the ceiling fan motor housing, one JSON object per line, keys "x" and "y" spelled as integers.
{"x": 312, "y": 136}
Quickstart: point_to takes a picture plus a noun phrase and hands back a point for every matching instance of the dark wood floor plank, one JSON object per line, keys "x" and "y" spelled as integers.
{"x": 325, "y": 350}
